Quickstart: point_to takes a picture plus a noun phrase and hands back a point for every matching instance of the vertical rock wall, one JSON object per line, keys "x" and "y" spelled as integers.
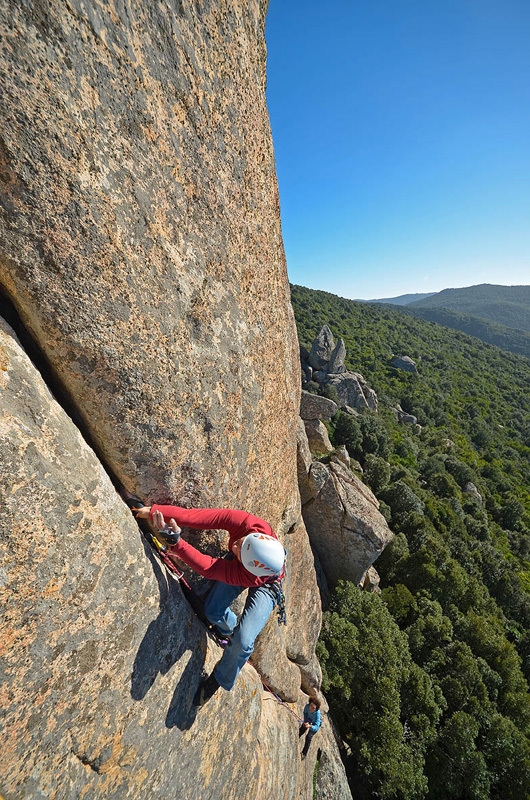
{"x": 140, "y": 238}
{"x": 140, "y": 243}
{"x": 100, "y": 655}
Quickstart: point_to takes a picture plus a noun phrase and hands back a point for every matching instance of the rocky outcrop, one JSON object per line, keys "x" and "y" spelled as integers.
{"x": 324, "y": 366}
{"x": 370, "y": 581}
{"x": 336, "y": 361}
{"x": 321, "y": 350}
{"x": 313, "y": 406}
{"x": 404, "y": 362}
{"x": 341, "y": 454}
{"x": 317, "y": 436}
{"x": 313, "y": 409}
{"x": 472, "y": 490}
{"x": 346, "y": 529}
{"x": 353, "y": 391}
{"x": 140, "y": 243}
{"x": 341, "y": 513}
{"x": 402, "y": 416}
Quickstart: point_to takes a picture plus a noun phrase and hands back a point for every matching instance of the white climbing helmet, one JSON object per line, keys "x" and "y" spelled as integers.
{"x": 262, "y": 555}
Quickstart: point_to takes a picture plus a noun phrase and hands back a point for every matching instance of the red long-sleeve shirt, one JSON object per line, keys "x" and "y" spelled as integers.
{"x": 237, "y": 523}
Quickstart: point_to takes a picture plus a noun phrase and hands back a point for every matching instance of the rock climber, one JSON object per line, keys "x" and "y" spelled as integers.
{"x": 256, "y": 561}
{"x": 312, "y": 722}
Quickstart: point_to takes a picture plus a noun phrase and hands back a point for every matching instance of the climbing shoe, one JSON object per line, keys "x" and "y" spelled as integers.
{"x": 222, "y": 639}
{"x": 206, "y": 689}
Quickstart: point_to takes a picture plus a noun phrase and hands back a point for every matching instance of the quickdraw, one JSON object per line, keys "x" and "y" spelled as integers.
{"x": 277, "y": 589}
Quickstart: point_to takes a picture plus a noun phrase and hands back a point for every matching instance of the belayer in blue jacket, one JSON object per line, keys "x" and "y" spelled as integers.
{"x": 312, "y": 722}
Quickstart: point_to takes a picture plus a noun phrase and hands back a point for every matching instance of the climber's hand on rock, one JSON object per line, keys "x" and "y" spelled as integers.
{"x": 158, "y": 520}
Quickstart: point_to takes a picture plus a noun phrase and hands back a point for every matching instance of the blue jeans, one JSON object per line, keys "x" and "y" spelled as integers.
{"x": 308, "y": 736}
{"x": 259, "y": 604}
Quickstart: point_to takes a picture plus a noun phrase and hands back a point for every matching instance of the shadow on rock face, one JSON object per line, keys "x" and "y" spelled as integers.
{"x": 182, "y": 711}
{"x": 166, "y": 640}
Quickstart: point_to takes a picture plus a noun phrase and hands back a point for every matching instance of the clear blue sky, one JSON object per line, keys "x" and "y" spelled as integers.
{"x": 402, "y": 139}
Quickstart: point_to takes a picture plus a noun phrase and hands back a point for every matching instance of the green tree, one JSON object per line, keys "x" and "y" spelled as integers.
{"x": 372, "y": 687}
{"x": 510, "y": 513}
{"x": 507, "y": 753}
{"x": 347, "y": 431}
{"x": 375, "y": 436}
{"x": 444, "y": 485}
{"x": 485, "y": 636}
{"x": 430, "y": 630}
{"x": 401, "y": 499}
{"x": 401, "y": 603}
{"x": 455, "y": 767}
{"x": 376, "y": 472}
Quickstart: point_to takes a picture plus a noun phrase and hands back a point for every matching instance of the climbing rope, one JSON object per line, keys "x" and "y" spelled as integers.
{"x": 279, "y": 700}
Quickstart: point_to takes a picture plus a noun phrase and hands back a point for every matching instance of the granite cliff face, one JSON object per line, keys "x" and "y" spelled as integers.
{"x": 101, "y": 654}
{"x": 140, "y": 243}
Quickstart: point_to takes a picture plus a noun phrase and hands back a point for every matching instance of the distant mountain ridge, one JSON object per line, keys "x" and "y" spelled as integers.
{"x": 498, "y": 315}
{"x": 402, "y": 300}
{"x": 508, "y": 305}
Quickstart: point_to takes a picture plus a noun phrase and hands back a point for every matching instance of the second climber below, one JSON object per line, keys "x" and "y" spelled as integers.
{"x": 256, "y": 562}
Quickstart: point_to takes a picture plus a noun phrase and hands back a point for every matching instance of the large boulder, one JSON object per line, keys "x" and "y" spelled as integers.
{"x": 345, "y": 526}
{"x": 404, "y": 362}
{"x": 472, "y": 490}
{"x": 318, "y": 437}
{"x": 322, "y": 349}
{"x": 313, "y": 406}
{"x": 353, "y": 391}
{"x": 336, "y": 361}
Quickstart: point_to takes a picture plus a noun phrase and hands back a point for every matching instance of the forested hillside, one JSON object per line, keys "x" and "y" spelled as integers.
{"x": 498, "y": 315}
{"x": 428, "y": 682}
{"x": 512, "y": 339}
{"x": 508, "y": 305}
{"x": 403, "y": 299}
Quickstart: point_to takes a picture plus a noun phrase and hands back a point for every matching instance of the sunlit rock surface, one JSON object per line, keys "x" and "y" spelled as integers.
{"x": 140, "y": 243}
{"x": 101, "y": 655}
{"x": 342, "y": 517}
{"x": 140, "y": 239}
